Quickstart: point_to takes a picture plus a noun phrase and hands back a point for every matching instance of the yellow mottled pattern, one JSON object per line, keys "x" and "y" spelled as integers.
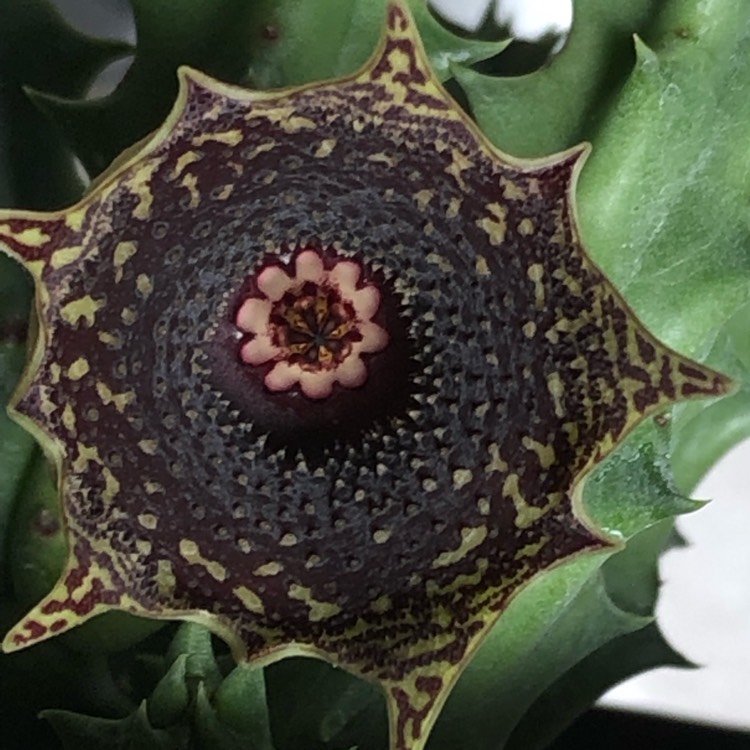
{"x": 84, "y": 308}
{"x": 451, "y": 592}
{"x": 319, "y": 610}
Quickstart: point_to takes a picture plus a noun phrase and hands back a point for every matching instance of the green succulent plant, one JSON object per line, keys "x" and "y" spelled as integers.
{"x": 329, "y": 365}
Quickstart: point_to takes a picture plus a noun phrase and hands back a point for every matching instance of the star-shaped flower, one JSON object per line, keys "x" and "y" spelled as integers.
{"x": 323, "y": 370}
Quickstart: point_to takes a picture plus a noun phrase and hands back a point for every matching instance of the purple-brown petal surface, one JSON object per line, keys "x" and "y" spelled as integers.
{"x": 385, "y": 526}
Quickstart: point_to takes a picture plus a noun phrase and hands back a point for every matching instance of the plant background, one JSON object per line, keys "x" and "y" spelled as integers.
{"x": 705, "y": 608}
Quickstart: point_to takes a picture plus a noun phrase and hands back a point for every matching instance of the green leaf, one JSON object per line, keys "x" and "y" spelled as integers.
{"x": 170, "y": 701}
{"x": 16, "y": 445}
{"x": 663, "y": 199}
{"x": 633, "y": 489}
{"x": 78, "y": 732}
{"x": 15, "y": 303}
{"x": 703, "y": 432}
{"x": 578, "y": 688}
{"x": 215, "y": 36}
{"x": 557, "y": 106}
{"x": 212, "y": 734}
{"x": 313, "y": 704}
{"x": 339, "y": 36}
{"x": 631, "y": 577}
{"x": 194, "y": 641}
{"x": 560, "y": 618}
{"x": 180, "y": 712}
{"x": 445, "y": 48}
{"x": 36, "y": 547}
{"x": 240, "y": 703}
{"x": 39, "y": 50}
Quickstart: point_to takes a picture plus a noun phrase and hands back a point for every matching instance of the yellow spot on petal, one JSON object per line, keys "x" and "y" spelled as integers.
{"x": 461, "y": 477}
{"x": 244, "y": 544}
{"x": 440, "y": 261}
{"x": 224, "y": 193}
{"x": 123, "y": 252}
{"x": 391, "y": 160}
{"x": 399, "y": 61}
{"x": 325, "y": 148}
{"x": 288, "y": 540}
{"x": 144, "y": 285}
{"x": 525, "y": 227}
{"x": 494, "y": 225}
{"x": 65, "y": 256}
{"x": 189, "y": 157}
{"x": 496, "y": 462}
{"x": 190, "y": 181}
{"x": 78, "y": 369}
{"x": 148, "y": 446}
{"x": 69, "y": 418}
{"x": 31, "y": 236}
{"x": 381, "y": 605}
{"x": 250, "y": 153}
{"x": 84, "y": 307}
{"x": 319, "y": 610}
{"x": 111, "y": 485}
{"x": 143, "y": 546}
{"x": 381, "y": 536}
{"x": 459, "y": 163}
{"x": 129, "y": 315}
{"x": 536, "y": 274}
{"x": 148, "y": 521}
{"x": 191, "y": 553}
{"x": 471, "y": 538}
{"x": 140, "y": 186}
{"x": 251, "y": 601}
{"x": 86, "y": 454}
{"x": 531, "y": 550}
{"x": 546, "y": 453}
{"x": 165, "y": 578}
{"x": 557, "y": 389}
{"x": 119, "y": 400}
{"x": 74, "y": 220}
{"x": 269, "y": 569}
{"x": 423, "y": 198}
{"x": 229, "y": 137}
{"x": 511, "y": 191}
{"x": 454, "y": 206}
{"x": 113, "y": 342}
{"x": 525, "y": 514}
{"x": 481, "y": 266}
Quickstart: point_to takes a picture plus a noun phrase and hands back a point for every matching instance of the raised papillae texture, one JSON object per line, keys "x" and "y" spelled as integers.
{"x": 321, "y": 367}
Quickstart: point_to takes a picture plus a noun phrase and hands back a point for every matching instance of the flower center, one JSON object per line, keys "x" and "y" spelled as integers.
{"x": 315, "y": 326}
{"x": 310, "y": 327}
